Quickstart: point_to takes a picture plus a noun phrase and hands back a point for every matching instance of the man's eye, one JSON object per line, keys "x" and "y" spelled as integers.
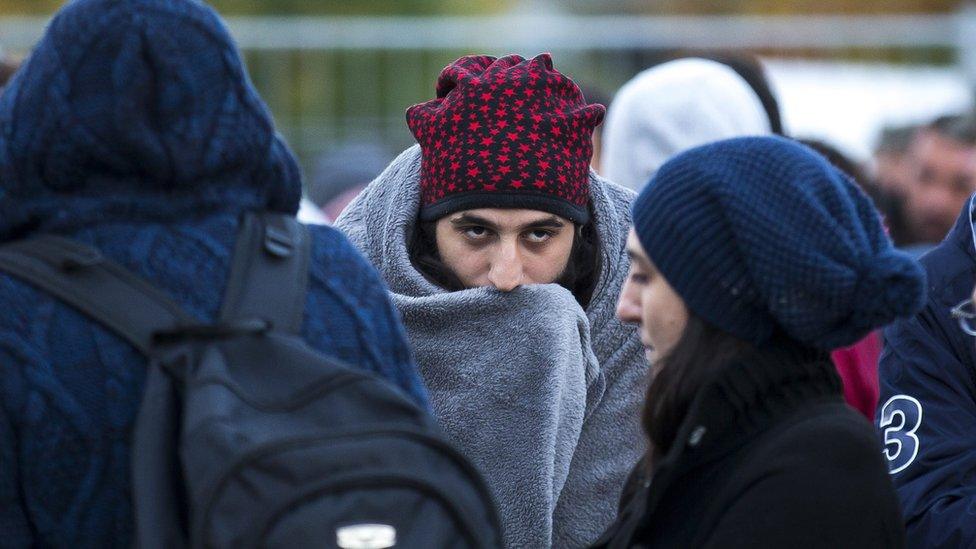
{"x": 475, "y": 232}
{"x": 538, "y": 235}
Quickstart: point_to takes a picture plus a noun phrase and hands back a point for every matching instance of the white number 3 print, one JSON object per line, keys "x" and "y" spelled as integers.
{"x": 901, "y": 416}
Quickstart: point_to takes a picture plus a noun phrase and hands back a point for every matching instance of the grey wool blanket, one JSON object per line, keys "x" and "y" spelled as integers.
{"x": 541, "y": 395}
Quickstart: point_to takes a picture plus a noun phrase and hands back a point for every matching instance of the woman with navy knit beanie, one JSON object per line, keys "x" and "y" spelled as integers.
{"x": 134, "y": 128}
{"x": 752, "y": 258}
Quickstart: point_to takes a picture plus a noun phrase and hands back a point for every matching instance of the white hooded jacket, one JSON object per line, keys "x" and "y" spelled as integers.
{"x": 673, "y": 107}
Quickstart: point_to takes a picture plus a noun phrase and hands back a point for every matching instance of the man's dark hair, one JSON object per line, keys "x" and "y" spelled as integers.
{"x": 895, "y": 139}
{"x": 7, "y": 69}
{"x": 580, "y": 276}
{"x": 840, "y": 161}
{"x": 957, "y": 127}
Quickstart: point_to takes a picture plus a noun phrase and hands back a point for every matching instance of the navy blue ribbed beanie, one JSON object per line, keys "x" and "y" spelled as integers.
{"x": 136, "y": 110}
{"x": 761, "y": 235}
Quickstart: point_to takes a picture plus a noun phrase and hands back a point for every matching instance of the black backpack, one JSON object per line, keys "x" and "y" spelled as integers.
{"x": 246, "y": 437}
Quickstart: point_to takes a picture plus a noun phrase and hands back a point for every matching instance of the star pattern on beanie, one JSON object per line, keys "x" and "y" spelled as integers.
{"x": 506, "y": 132}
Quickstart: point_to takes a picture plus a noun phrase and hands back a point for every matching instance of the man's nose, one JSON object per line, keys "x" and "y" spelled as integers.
{"x": 506, "y": 271}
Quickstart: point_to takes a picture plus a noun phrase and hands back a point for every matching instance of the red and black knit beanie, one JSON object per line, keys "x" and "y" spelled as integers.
{"x": 505, "y": 133}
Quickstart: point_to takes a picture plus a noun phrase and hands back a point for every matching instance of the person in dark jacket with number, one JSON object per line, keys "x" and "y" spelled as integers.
{"x": 134, "y": 128}
{"x": 927, "y": 410}
{"x": 752, "y": 259}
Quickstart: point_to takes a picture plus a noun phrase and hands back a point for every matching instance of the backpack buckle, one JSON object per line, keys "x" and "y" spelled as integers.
{"x": 278, "y": 242}
{"x": 78, "y": 260}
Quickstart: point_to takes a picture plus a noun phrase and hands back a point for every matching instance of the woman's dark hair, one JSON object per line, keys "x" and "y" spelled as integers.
{"x": 698, "y": 355}
{"x": 580, "y": 276}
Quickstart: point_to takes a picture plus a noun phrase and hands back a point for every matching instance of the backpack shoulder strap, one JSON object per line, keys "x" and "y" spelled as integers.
{"x": 81, "y": 277}
{"x": 269, "y": 276}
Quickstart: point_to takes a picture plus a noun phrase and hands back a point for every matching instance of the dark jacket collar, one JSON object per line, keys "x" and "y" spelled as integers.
{"x": 746, "y": 397}
{"x": 963, "y": 233}
{"x": 950, "y": 269}
{"x": 753, "y": 392}
{"x": 953, "y": 258}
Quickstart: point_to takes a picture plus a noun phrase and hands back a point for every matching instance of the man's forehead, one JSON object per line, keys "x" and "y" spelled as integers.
{"x": 930, "y": 140}
{"x": 502, "y": 217}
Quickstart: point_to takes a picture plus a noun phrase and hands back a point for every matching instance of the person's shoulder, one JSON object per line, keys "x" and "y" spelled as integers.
{"x": 826, "y": 435}
{"x": 950, "y": 273}
{"x": 326, "y": 234}
{"x": 335, "y": 258}
{"x": 329, "y": 241}
{"x": 819, "y": 475}
{"x": 953, "y": 252}
{"x": 20, "y": 301}
{"x": 950, "y": 270}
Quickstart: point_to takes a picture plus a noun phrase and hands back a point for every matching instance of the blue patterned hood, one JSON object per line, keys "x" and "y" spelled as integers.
{"x": 136, "y": 110}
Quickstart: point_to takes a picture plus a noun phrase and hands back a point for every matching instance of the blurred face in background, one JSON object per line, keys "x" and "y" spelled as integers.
{"x": 943, "y": 176}
{"x": 893, "y": 172}
{"x": 334, "y": 207}
{"x": 8, "y": 66}
{"x": 505, "y": 248}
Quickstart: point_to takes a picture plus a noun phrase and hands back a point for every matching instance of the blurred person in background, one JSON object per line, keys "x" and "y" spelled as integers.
{"x": 343, "y": 172}
{"x": 134, "y": 128}
{"x": 595, "y": 95}
{"x": 675, "y": 106}
{"x": 310, "y": 214}
{"x": 892, "y": 170}
{"x": 942, "y": 175}
{"x": 927, "y": 416}
{"x": 505, "y": 254}
{"x": 891, "y": 162}
{"x": 752, "y": 259}
{"x": 8, "y": 66}
{"x": 339, "y": 176}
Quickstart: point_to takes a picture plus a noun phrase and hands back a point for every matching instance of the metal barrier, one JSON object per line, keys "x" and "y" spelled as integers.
{"x": 329, "y": 79}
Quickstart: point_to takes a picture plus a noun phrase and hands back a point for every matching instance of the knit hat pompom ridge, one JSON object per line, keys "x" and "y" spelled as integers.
{"x": 891, "y": 286}
{"x": 762, "y": 236}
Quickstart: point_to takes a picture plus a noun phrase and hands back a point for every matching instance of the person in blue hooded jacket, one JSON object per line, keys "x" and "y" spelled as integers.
{"x": 134, "y": 128}
{"x": 927, "y": 409}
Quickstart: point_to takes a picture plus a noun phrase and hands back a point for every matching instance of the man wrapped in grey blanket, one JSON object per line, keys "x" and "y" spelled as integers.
{"x": 541, "y": 395}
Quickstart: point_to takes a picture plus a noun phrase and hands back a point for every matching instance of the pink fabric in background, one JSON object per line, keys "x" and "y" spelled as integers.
{"x": 858, "y": 368}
